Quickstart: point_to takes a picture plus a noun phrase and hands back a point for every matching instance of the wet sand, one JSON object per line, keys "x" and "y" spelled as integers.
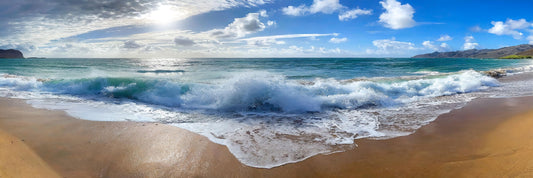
{"x": 18, "y": 160}
{"x": 486, "y": 138}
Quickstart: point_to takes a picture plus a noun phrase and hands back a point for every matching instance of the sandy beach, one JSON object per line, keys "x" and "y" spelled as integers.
{"x": 486, "y": 138}
{"x": 266, "y": 89}
{"x": 18, "y": 160}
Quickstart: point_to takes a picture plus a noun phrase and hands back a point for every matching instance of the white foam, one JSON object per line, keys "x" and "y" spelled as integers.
{"x": 263, "y": 118}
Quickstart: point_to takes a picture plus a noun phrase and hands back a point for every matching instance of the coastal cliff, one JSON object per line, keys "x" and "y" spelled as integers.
{"x": 11, "y": 53}
{"x": 479, "y": 53}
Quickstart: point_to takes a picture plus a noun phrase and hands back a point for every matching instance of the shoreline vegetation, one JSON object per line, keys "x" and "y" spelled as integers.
{"x": 517, "y": 57}
{"x": 522, "y": 55}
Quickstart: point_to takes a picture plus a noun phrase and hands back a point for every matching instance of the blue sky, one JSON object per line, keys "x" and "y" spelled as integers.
{"x": 261, "y": 28}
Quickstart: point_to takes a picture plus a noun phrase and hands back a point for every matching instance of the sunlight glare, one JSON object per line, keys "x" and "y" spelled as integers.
{"x": 163, "y": 15}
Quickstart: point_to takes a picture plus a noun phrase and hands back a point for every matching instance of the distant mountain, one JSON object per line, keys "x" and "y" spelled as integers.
{"x": 11, "y": 53}
{"x": 526, "y": 53}
{"x": 481, "y": 53}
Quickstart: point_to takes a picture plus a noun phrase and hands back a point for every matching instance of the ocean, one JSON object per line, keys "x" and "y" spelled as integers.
{"x": 267, "y": 111}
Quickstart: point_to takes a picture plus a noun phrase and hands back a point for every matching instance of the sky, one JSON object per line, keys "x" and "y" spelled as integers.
{"x": 260, "y": 28}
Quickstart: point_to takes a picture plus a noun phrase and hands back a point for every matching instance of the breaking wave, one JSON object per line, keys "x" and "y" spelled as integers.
{"x": 260, "y": 92}
{"x": 264, "y": 119}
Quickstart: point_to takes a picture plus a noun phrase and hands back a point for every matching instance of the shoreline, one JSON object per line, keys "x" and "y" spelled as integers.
{"x": 463, "y": 142}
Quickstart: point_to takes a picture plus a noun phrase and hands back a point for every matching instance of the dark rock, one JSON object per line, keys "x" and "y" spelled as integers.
{"x": 11, "y": 53}
{"x": 496, "y": 73}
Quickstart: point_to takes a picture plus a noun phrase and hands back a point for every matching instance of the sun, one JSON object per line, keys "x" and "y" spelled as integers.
{"x": 163, "y": 15}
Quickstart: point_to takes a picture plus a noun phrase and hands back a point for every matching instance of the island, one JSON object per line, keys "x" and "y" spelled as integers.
{"x": 11, "y": 53}
{"x": 523, "y": 51}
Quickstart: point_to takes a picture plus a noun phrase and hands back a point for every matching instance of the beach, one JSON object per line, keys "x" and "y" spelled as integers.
{"x": 17, "y": 160}
{"x": 486, "y": 138}
{"x": 254, "y": 88}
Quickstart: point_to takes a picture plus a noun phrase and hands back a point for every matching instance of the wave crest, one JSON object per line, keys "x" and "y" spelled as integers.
{"x": 262, "y": 92}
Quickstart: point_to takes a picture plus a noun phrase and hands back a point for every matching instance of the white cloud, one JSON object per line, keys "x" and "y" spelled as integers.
{"x": 509, "y": 27}
{"x": 202, "y": 44}
{"x": 312, "y": 50}
{"x": 326, "y": 7}
{"x": 445, "y": 38}
{"x": 530, "y": 38}
{"x": 131, "y": 44}
{"x": 25, "y": 48}
{"x": 263, "y": 13}
{"x": 184, "y": 41}
{"x": 293, "y": 36}
{"x": 469, "y": 43}
{"x": 469, "y": 38}
{"x": 396, "y": 15}
{"x": 264, "y": 42}
{"x": 269, "y": 40}
{"x": 475, "y": 28}
{"x": 468, "y": 46}
{"x": 295, "y": 11}
{"x": 296, "y": 51}
{"x": 338, "y": 40}
{"x": 352, "y": 14}
{"x": 445, "y": 46}
{"x": 322, "y": 6}
{"x": 391, "y": 47}
{"x": 440, "y": 48}
{"x": 57, "y": 37}
{"x": 240, "y": 27}
{"x": 45, "y": 23}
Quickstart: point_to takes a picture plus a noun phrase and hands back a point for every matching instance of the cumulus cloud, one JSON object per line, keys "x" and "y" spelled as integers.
{"x": 240, "y": 27}
{"x": 295, "y": 11}
{"x": 445, "y": 38}
{"x": 352, "y": 14}
{"x": 509, "y": 27}
{"x": 263, "y": 13}
{"x": 445, "y": 47}
{"x": 326, "y": 7}
{"x": 440, "y": 48}
{"x": 338, "y": 40}
{"x": 396, "y": 15}
{"x": 469, "y": 43}
{"x": 322, "y": 6}
{"x": 469, "y": 46}
{"x": 530, "y": 38}
{"x": 391, "y": 47}
{"x": 131, "y": 44}
{"x": 183, "y": 41}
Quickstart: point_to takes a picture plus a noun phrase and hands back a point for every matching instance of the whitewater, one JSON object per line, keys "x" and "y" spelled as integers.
{"x": 268, "y": 112}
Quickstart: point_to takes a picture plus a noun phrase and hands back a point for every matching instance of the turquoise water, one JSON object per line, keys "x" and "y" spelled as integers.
{"x": 205, "y": 69}
{"x": 268, "y": 112}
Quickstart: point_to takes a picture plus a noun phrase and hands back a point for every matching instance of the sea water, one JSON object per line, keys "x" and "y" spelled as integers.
{"x": 267, "y": 111}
